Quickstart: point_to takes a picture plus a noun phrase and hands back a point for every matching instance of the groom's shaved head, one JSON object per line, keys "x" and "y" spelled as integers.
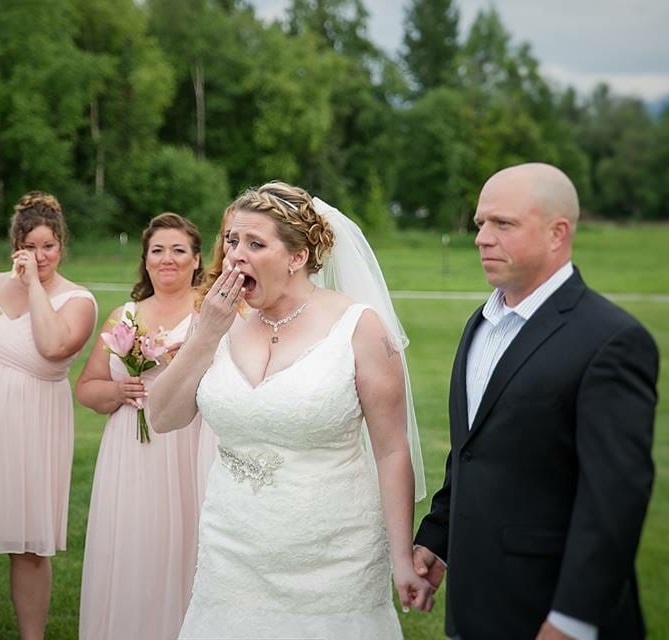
{"x": 549, "y": 190}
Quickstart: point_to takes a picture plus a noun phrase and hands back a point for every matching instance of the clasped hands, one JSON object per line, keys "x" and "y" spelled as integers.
{"x": 428, "y": 573}
{"x": 429, "y": 567}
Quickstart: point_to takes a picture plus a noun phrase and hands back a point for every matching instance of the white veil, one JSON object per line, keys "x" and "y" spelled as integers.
{"x": 352, "y": 268}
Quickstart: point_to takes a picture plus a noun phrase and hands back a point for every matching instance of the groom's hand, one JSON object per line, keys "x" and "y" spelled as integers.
{"x": 549, "y": 632}
{"x": 427, "y": 566}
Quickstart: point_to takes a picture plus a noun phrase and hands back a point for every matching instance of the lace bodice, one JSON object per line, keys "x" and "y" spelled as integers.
{"x": 312, "y": 403}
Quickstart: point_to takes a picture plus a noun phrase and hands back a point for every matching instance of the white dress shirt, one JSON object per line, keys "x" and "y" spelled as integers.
{"x": 500, "y": 325}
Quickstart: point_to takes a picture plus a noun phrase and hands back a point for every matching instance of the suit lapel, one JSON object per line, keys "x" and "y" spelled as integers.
{"x": 543, "y": 324}
{"x": 458, "y": 399}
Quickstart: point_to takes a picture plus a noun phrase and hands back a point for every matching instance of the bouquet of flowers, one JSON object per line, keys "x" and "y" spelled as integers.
{"x": 139, "y": 351}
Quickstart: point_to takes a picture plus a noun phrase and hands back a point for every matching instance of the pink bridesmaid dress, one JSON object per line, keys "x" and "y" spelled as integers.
{"x": 141, "y": 540}
{"x": 36, "y": 439}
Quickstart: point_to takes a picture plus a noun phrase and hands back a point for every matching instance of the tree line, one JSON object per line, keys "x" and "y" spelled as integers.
{"x": 126, "y": 108}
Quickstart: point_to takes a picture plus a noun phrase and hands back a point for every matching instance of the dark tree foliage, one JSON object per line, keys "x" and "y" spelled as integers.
{"x": 431, "y": 43}
{"x": 125, "y": 109}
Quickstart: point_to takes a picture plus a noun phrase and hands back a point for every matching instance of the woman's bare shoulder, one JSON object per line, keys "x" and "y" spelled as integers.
{"x": 332, "y": 301}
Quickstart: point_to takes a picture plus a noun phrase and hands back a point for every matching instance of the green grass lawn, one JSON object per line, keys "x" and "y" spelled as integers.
{"x": 611, "y": 259}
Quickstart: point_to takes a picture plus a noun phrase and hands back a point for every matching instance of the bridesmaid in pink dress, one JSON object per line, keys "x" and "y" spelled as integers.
{"x": 45, "y": 320}
{"x": 141, "y": 540}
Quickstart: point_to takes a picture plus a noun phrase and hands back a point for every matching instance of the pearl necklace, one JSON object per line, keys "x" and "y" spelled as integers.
{"x": 278, "y": 323}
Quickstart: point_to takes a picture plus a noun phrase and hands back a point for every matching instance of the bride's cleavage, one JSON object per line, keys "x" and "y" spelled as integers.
{"x": 260, "y": 377}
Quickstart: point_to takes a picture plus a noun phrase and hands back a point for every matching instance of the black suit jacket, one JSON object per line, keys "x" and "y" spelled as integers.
{"x": 544, "y": 498}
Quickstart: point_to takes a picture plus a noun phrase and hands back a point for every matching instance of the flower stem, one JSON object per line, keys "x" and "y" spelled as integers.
{"x": 142, "y": 427}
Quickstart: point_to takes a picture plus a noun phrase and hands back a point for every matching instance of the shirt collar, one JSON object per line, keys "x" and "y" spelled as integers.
{"x": 495, "y": 309}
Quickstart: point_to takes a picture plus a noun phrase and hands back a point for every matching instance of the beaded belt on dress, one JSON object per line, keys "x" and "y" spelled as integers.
{"x": 256, "y": 466}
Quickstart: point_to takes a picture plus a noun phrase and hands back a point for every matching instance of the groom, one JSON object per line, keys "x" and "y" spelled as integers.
{"x": 551, "y": 414}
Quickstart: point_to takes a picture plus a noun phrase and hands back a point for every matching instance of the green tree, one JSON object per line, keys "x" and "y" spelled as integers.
{"x": 271, "y": 102}
{"x": 438, "y": 161}
{"x": 190, "y": 34}
{"x": 362, "y": 141}
{"x": 267, "y": 96}
{"x": 516, "y": 116}
{"x": 174, "y": 179}
{"x": 44, "y": 82}
{"x": 378, "y": 221}
{"x": 619, "y": 137}
{"x": 431, "y": 43}
{"x": 659, "y": 167}
{"x": 342, "y": 24}
{"x": 360, "y": 145}
{"x": 128, "y": 95}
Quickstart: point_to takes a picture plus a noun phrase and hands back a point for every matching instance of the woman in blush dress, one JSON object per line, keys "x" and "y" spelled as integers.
{"x": 45, "y": 320}
{"x": 298, "y": 530}
{"x": 141, "y": 540}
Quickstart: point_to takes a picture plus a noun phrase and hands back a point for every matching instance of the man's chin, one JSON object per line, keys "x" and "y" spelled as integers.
{"x": 492, "y": 276}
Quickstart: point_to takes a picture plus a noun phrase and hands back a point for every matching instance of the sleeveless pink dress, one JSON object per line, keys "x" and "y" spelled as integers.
{"x": 141, "y": 540}
{"x": 36, "y": 439}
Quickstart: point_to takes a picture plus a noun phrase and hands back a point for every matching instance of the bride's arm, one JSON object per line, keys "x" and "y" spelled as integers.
{"x": 171, "y": 401}
{"x": 381, "y": 388}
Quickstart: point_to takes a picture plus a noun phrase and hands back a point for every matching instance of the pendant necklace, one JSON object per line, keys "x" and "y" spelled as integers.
{"x": 275, "y": 324}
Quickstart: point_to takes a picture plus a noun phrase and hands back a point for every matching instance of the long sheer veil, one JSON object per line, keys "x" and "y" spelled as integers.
{"x": 352, "y": 268}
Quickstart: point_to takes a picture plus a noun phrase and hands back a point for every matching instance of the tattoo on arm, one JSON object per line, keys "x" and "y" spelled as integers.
{"x": 390, "y": 351}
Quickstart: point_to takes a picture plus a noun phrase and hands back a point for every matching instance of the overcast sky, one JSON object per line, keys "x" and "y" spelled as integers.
{"x": 578, "y": 42}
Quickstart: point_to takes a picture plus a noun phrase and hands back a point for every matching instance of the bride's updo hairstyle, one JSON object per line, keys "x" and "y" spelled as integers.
{"x": 36, "y": 209}
{"x": 297, "y": 225}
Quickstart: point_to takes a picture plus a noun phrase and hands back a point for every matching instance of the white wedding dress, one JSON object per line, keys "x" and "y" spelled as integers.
{"x": 292, "y": 541}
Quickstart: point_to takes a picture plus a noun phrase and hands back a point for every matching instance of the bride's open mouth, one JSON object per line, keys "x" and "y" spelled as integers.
{"x": 249, "y": 283}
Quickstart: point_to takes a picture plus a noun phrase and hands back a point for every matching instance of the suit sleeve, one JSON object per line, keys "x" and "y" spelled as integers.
{"x": 433, "y": 530}
{"x": 615, "y": 410}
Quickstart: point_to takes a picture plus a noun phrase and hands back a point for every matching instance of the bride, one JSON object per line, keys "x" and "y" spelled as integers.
{"x": 301, "y": 523}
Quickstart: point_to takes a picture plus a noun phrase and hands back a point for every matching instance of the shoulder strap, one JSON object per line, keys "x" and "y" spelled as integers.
{"x": 130, "y": 307}
{"x": 82, "y": 293}
{"x": 345, "y": 326}
{"x": 66, "y": 296}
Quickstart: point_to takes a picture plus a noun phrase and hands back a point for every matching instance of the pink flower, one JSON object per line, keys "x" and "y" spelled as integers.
{"x": 120, "y": 339}
{"x": 139, "y": 351}
{"x": 152, "y": 346}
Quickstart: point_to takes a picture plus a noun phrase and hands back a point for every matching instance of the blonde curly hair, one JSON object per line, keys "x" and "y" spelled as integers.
{"x": 35, "y": 209}
{"x": 297, "y": 225}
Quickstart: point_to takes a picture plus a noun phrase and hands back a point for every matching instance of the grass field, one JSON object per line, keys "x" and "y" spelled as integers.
{"x": 613, "y": 260}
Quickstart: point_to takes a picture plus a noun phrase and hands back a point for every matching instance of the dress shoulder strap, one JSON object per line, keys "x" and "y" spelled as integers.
{"x": 128, "y": 307}
{"x": 59, "y": 300}
{"x": 345, "y": 326}
{"x": 65, "y": 296}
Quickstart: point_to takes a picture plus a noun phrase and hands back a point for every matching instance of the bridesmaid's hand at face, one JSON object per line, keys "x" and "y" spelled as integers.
{"x": 25, "y": 266}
